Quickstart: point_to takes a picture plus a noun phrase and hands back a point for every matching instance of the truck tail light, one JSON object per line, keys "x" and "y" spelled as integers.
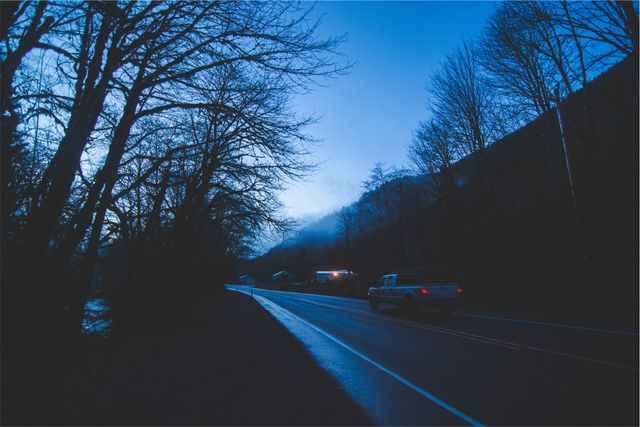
{"x": 424, "y": 291}
{"x": 459, "y": 290}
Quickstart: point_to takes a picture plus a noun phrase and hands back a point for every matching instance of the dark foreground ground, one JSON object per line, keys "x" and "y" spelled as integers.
{"x": 228, "y": 363}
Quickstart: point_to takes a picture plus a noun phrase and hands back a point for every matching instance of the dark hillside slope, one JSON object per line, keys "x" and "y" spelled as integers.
{"x": 527, "y": 243}
{"x": 522, "y": 245}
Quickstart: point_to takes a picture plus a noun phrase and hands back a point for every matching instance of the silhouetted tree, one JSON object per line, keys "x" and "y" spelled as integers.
{"x": 462, "y": 101}
{"x": 165, "y": 122}
{"x": 22, "y": 26}
{"x": 432, "y": 152}
{"x": 347, "y": 228}
{"x": 511, "y": 54}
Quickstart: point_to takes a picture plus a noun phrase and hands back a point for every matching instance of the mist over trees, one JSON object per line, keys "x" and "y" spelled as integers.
{"x": 157, "y": 132}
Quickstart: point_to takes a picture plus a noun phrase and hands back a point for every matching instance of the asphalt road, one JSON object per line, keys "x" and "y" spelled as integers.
{"x": 470, "y": 368}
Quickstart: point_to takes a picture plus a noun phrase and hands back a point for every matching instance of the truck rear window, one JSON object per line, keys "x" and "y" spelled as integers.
{"x": 432, "y": 276}
{"x": 410, "y": 279}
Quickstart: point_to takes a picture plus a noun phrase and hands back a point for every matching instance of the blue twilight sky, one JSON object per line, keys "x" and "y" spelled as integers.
{"x": 369, "y": 115}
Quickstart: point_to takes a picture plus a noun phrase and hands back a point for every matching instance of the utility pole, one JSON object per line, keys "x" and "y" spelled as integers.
{"x": 569, "y": 165}
{"x": 567, "y": 155}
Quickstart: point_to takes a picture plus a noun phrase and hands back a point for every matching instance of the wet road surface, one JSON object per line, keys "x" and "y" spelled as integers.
{"x": 467, "y": 369}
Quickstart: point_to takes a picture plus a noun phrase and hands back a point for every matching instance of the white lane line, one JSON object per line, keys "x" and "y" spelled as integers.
{"x": 311, "y": 296}
{"x": 479, "y": 338}
{"x": 438, "y": 329}
{"x": 271, "y": 306}
{"x": 549, "y": 324}
{"x": 485, "y": 316}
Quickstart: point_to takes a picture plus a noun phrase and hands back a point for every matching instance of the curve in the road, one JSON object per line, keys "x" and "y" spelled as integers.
{"x": 474, "y": 337}
{"x": 277, "y": 311}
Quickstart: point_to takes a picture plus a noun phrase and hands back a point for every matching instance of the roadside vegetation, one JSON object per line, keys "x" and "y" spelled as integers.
{"x": 524, "y": 173}
{"x": 144, "y": 145}
{"x": 152, "y": 135}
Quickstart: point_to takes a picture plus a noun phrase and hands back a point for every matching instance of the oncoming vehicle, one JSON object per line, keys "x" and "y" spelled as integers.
{"x": 435, "y": 289}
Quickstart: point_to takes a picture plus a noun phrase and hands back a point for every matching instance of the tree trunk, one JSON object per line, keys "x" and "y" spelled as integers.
{"x": 62, "y": 171}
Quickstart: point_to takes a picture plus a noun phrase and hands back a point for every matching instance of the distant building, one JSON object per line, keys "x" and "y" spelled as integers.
{"x": 283, "y": 276}
{"x": 246, "y": 280}
{"x": 327, "y": 276}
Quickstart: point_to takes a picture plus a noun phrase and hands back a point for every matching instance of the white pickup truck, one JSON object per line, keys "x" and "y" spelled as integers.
{"x": 413, "y": 290}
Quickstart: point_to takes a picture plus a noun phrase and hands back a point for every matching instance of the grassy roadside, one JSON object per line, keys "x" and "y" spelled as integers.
{"x": 228, "y": 362}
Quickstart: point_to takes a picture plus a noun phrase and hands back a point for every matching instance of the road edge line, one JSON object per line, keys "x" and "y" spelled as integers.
{"x": 266, "y": 303}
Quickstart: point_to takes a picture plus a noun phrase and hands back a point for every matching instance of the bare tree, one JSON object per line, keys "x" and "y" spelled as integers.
{"x": 511, "y": 53}
{"x": 463, "y": 102}
{"x": 608, "y": 28}
{"x": 150, "y": 53}
{"x": 163, "y": 120}
{"x": 432, "y": 149}
{"x": 23, "y": 24}
{"x": 244, "y": 145}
